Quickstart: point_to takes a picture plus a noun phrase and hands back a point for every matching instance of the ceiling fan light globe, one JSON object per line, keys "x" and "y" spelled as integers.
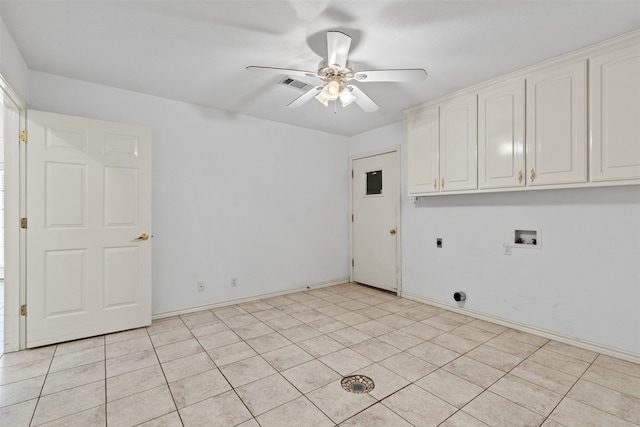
{"x": 331, "y": 90}
{"x": 346, "y": 97}
{"x": 323, "y": 99}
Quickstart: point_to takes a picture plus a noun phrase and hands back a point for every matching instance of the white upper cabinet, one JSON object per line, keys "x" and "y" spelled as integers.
{"x": 556, "y": 125}
{"x": 615, "y": 115}
{"x": 423, "y": 138}
{"x": 501, "y": 135}
{"x": 529, "y": 130}
{"x": 458, "y": 143}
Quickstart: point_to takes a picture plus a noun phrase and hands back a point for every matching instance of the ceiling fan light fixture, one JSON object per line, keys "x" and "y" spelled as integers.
{"x": 323, "y": 98}
{"x": 332, "y": 90}
{"x": 346, "y": 97}
{"x": 336, "y": 72}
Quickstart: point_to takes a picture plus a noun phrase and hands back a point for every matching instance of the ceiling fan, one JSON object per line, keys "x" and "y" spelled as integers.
{"x": 337, "y": 75}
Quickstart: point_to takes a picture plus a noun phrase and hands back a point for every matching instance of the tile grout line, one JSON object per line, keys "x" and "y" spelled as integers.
{"x": 566, "y": 396}
{"x": 285, "y": 378}
{"x": 455, "y": 374}
{"x": 163, "y": 373}
{"x": 504, "y": 375}
{"x": 222, "y": 373}
{"x": 46, "y": 375}
{"x": 280, "y": 373}
{"x": 35, "y": 408}
{"x": 106, "y": 396}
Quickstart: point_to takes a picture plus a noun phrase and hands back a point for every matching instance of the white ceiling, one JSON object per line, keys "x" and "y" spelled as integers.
{"x": 197, "y": 51}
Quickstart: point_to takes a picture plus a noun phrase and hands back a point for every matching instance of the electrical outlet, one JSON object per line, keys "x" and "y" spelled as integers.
{"x": 507, "y": 249}
{"x": 200, "y": 286}
{"x": 234, "y": 282}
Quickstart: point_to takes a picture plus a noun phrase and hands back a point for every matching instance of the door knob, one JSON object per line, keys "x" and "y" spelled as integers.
{"x": 392, "y": 231}
{"x": 143, "y": 236}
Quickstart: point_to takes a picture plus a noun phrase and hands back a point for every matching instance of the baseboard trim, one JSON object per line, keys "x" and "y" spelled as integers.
{"x": 577, "y": 342}
{"x": 158, "y": 316}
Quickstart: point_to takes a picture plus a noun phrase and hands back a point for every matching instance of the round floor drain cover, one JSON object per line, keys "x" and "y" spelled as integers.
{"x": 357, "y": 384}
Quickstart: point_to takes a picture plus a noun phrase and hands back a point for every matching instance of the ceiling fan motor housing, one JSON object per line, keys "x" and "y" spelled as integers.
{"x": 326, "y": 72}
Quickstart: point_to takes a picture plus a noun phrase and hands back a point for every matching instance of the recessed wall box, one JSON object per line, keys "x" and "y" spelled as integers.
{"x": 526, "y": 238}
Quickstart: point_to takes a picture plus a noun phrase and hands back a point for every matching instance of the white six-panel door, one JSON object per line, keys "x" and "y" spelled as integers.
{"x": 89, "y": 216}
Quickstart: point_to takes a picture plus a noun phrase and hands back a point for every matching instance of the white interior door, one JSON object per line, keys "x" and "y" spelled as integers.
{"x": 375, "y": 192}
{"x": 89, "y": 217}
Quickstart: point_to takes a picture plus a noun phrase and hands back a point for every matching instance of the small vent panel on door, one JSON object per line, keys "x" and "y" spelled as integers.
{"x": 374, "y": 183}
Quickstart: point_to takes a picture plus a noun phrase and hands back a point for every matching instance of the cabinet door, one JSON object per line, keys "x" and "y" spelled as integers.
{"x": 422, "y": 150}
{"x": 615, "y": 115}
{"x": 501, "y": 136}
{"x": 556, "y": 126}
{"x": 459, "y": 144}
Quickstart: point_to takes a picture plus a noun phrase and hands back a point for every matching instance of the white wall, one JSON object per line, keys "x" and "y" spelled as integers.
{"x": 267, "y": 203}
{"x": 583, "y": 283}
{"x": 233, "y": 196}
{"x": 12, "y": 65}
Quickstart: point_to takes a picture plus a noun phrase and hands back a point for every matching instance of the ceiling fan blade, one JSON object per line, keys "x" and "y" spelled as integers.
{"x": 282, "y": 71}
{"x": 405, "y": 75}
{"x": 338, "y": 45}
{"x": 363, "y": 100}
{"x": 305, "y": 97}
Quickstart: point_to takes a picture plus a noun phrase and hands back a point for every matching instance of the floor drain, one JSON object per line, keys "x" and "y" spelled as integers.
{"x": 357, "y": 384}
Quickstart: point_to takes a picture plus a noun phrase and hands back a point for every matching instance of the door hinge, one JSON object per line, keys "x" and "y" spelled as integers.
{"x": 352, "y": 263}
{"x": 351, "y": 217}
{"x": 23, "y": 310}
{"x": 23, "y": 222}
{"x": 24, "y": 136}
{"x": 351, "y": 173}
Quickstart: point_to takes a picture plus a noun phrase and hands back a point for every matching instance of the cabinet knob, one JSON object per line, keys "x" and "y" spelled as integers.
{"x": 442, "y": 183}
{"x": 520, "y": 176}
{"x": 533, "y": 175}
{"x": 435, "y": 183}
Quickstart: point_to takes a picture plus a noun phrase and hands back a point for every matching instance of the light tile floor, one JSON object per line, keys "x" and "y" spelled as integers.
{"x": 279, "y": 362}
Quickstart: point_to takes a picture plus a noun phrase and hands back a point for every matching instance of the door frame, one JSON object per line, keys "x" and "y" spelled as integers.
{"x": 14, "y": 283}
{"x": 393, "y": 149}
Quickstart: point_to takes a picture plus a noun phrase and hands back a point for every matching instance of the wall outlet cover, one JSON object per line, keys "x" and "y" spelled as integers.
{"x": 507, "y": 249}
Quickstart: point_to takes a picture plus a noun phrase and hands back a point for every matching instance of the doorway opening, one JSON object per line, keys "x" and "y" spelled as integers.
{"x": 12, "y": 120}
{"x": 2, "y": 136}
